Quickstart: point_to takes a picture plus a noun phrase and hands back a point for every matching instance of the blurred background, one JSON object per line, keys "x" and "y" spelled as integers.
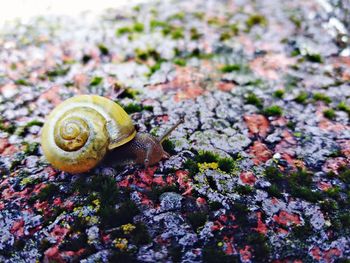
{"x": 25, "y": 9}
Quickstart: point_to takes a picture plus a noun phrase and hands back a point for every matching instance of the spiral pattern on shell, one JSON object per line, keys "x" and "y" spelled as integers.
{"x": 79, "y": 132}
{"x": 72, "y": 133}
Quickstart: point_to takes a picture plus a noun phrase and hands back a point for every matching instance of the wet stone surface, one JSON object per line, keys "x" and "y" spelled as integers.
{"x": 258, "y": 172}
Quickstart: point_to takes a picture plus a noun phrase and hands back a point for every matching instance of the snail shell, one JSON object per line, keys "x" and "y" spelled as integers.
{"x": 78, "y": 132}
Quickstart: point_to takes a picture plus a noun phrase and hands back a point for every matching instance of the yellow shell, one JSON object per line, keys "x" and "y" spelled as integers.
{"x": 78, "y": 132}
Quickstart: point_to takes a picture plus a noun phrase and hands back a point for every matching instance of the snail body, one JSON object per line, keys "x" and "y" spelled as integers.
{"x": 80, "y": 131}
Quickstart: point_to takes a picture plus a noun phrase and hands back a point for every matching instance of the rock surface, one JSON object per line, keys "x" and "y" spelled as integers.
{"x": 259, "y": 171}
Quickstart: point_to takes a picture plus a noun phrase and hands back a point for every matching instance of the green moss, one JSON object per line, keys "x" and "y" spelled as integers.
{"x": 328, "y": 206}
{"x": 195, "y": 35}
{"x": 207, "y": 157}
{"x": 126, "y": 212}
{"x": 7, "y": 127}
{"x": 316, "y": 58}
{"x": 154, "y": 68}
{"x": 95, "y": 81}
{"x": 178, "y": 16}
{"x": 279, "y": 93}
{"x": 17, "y": 159}
{"x": 291, "y": 125}
{"x": 138, "y": 27}
{"x": 343, "y": 107}
{"x": 31, "y": 148}
{"x": 180, "y": 61}
{"x": 302, "y": 97}
{"x": 214, "y": 254}
{"x": 215, "y": 206}
{"x": 197, "y": 53}
{"x": 273, "y": 174}
{"x": 177, "y": 33}
{"x": 345, "y": 220}
{"x": 58, "y": 71}
{"x": 123, "y": 30}
{"x": 34, "y": 123}
{"x": 243, "y": 189}
{"x": 260, "y": 245}
{"x": 256, "y": 19}
{"x": 175, "y": 253}
{"x": 303, "y": 232}
{"x": 227, "y": 165}
{"x": 344, "y": 175}
{"x": 274, "y": 110}
{"x": 301, "y": 177}
{"x": 103, "y": 49}
{"x": 322, "y": 97}
{"x": 145, "y": 55}
{"x": 225, "y": 36}
{"x": 254, "y": 100}
{"x": 296, "y": 20}
{"x": 129, "y": 93}
{"x": 156, "y": 23}
{"x": 140, "y": 235}
{"x": 48, "y": 192}
{"x": 214, "y": 21}
{"x": 22, "y": 82}
{"x": 22, "y": 130}
{"x": 241, "y": 213}
{"x": 192, "y": 167}
{"x": 333, "y": 192}
{"x": 274, "y": 190}
{"x": 230, "y": 68}
{"x": 305, "y": 193}
{"x": 199, "y": 15}
{"x": 132, "y": 108}
{"x": 168, "y": 146}
{"x": 329, "y": 113}
{"x": 197, "y": 219}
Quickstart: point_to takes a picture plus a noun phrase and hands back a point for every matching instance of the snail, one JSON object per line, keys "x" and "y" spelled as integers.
{"x": 81, "y": 130}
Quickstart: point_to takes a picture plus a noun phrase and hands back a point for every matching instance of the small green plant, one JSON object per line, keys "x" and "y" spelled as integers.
{"x": 316, "y": 58}
{"x": 103, "y": 49}
{"x": 96, "y": 81}
{"x": 177, "y": 33}
{"x": 343, "y": 107}
{"x": 254, "y": 100}
{"x": 243, "y": 189}
{"x": 47, "y": 192}
{"x": 129, "y": 93}
{"x": 168, "y": 146}
{"x": 197, "y": 219}
{"x": 274, "y": 190}
{"x": 302, "y": 97}
{"x": 230, "y": 68}
{"x": 322, "y": 97}
{"x": 132, "y": 107}
{"x": 123, "y": 30}
{"x": 58, "y": 71}
{"x": 279, "y": 93}
{"x": 138, "y": 27}
{"x": 256, "y": 19}
{"x": 274, "y": 110}
{"x": 180, "y": 61}
{"x": 226, "y": 164}
{"x": 156, "y": 23}
{"x": 195, "y": 35}
{"x": 329, "y": 113}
